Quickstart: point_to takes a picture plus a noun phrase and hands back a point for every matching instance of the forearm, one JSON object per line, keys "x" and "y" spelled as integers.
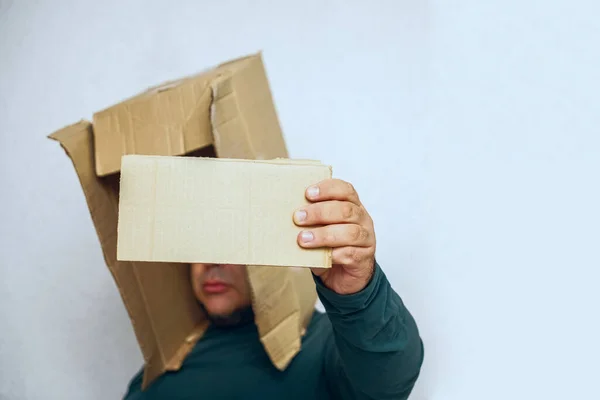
{"x": 379, "y": 350}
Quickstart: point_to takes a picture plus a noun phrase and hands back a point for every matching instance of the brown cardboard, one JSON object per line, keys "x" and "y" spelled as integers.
{"x": 174, "y": 118}
{"x": 215, "y": 210}
{"x": 236, "y": 114}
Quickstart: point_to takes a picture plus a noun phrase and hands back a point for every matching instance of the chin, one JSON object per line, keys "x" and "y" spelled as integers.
{"x": 219, "y": 307}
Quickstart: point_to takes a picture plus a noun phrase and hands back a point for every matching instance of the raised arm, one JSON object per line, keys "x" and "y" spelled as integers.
{"x": 376, "y": 350}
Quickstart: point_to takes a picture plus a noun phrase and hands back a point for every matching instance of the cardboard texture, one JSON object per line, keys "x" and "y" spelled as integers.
{"x": 226, "y": 112}
{"x": 221, "y": 211}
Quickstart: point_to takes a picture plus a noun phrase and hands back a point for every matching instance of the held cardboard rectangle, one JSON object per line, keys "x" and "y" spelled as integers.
{"x": 209, "y": 210}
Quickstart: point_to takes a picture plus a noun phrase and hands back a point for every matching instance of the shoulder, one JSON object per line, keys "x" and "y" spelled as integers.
{"x": 135, "y": 385}
{"x": 319, "y": 331}
{"x": 319, "y": 322}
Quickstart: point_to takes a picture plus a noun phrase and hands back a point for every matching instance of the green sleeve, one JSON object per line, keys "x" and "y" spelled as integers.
{"x": 375, "y": 351}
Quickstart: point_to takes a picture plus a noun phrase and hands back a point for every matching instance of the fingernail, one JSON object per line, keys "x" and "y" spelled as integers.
{"x": 312, "y": 191}
{"x": 300, "y": 215}
{"x": 307, "y": 236}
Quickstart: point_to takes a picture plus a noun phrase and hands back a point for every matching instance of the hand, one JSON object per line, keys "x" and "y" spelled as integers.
{"x": 346, "y": 227}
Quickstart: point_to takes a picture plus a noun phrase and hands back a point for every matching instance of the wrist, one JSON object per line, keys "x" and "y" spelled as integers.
{"x": 346, "y": 302}
{"x": 353, "y": 283}
{"x": 368, "y": 277}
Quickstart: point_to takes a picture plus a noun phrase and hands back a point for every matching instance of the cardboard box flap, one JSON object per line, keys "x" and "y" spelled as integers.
{"x": 243, "y": 115}
{"x": 169, "y": 119}
{"x": 173, "y": 122}
{"x": 158, "y": 297}
{"x": 283, "y": 303}
{"x": 305, "y": 290}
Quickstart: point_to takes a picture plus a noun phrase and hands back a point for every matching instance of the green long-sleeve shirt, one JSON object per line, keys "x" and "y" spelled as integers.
{"x": 366, "y": 346}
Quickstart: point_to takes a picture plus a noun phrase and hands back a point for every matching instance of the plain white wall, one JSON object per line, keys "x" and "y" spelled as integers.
{"x": 470, "y": 128}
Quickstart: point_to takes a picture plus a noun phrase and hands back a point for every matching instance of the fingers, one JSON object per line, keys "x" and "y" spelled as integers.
{"x": 333, "y": 189}
{"x": 339, "y": 235}
{"x": 343, "y": 223}
{"x": 330, "y": 212}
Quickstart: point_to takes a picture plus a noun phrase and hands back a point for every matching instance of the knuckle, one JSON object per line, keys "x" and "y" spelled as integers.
{"x": 350, "y": 188}
{"x": 356, "y": 233}
{"x": 363, "y": 235}
{"x": 353, "y": 255}
{"x": 360, "y": 213}
{"x": 349, "y": 255}
{"x": 371, "y": 252}
{"x": 347, "y": 211}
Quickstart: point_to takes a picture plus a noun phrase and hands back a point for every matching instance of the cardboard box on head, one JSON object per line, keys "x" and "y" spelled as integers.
{"x": 227, "y": 112}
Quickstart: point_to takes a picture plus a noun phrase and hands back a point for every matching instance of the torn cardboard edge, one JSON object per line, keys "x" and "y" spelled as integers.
{"x": 235, "y": 114}
{"x": 187, "y": 114}
{"x": 162, "y": 332}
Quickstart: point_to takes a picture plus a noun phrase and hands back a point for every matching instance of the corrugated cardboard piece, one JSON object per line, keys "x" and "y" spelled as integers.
{"x": 228, "y": 112}
{"x": 210, "y": 210}
{"x": 230, "y": 106}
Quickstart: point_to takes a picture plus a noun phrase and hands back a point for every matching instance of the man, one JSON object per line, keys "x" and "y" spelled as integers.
{"x": 366, "y": 345}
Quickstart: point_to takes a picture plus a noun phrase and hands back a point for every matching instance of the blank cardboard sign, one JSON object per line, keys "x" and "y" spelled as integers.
{"x": 215, "y": 210}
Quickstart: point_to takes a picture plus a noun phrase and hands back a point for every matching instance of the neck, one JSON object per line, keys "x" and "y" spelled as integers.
{"x": 237, "y": 318}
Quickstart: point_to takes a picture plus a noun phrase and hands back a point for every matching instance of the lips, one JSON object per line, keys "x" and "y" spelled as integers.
{"x": 215, "y": 287}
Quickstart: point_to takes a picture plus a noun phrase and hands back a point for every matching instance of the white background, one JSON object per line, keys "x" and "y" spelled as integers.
{"x": 470, "y": 128}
